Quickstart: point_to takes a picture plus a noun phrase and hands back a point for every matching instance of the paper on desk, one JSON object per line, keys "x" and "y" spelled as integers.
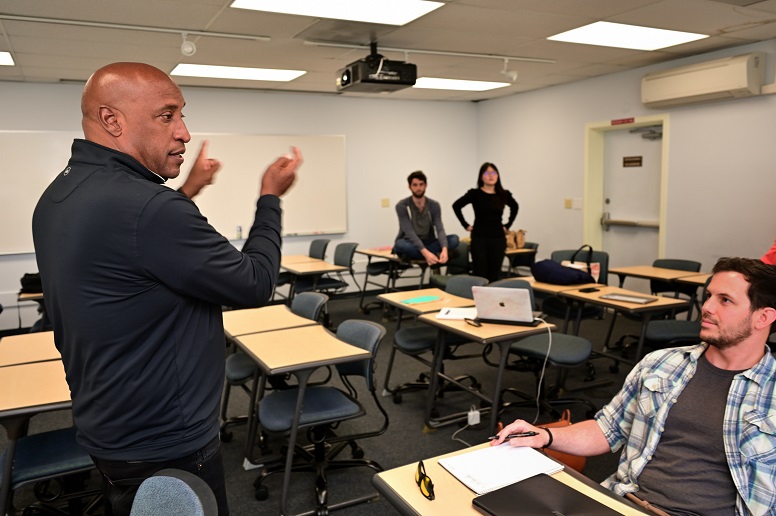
{"x": 420, "y": 299}
{"x": 494, "y": 467}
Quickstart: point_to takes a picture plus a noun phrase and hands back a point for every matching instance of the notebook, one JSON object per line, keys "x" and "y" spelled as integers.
{"x": 493, "y": 467}
{"x": 539, "y": 495}
{"x": 504, "y": 305}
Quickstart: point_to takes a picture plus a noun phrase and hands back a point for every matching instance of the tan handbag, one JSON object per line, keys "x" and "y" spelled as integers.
{"x": 572, "y": 461}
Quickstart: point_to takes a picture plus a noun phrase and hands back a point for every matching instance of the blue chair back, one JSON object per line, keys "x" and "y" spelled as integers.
{"x": 365, "y": 335}
{"x": 309, "y": 304}
{"x": 461, "y": 285}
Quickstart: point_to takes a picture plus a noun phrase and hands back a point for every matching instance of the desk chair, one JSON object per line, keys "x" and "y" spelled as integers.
{"x": 523, "y": 260}
{"x": 418, "y": 340}
{"x": 566, "y": 352}
{"x": 173, "y": 492}
{"x": 556, "y": 307}
{"x": 662, "y": 333}
{"x": 457, "y": 264}
{"x": 325, "y": 408}
{"x": 668, "y": 333}
{"x": 58, "y": 467}
{"x": 317, "y": 250}
{"x": 343, "y": 256}
{"x": 240, "y": 368}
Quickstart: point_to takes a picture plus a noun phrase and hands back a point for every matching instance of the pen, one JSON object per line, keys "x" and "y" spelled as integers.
{"x": 512, "y": 436}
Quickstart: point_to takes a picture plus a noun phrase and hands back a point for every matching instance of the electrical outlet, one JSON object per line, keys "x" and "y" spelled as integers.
{"x": 567, "y": 203}
{"x": 385, "y": 202}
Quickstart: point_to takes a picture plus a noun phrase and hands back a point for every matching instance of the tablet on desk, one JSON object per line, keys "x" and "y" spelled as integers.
{"x": 540, "y": 495}
{"x": 630, "y": 298}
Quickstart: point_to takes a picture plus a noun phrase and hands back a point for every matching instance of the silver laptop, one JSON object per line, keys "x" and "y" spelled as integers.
{"x": 504, "y": 305}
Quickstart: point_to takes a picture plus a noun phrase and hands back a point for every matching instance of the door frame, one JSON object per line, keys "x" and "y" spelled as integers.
{"x": 593, "y": 187}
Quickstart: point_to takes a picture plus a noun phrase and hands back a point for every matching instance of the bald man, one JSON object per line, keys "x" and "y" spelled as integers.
{"x": 135, "y": 278}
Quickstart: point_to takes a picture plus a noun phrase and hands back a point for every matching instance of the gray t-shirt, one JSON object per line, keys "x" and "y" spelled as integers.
{"x": 688, "y": 474}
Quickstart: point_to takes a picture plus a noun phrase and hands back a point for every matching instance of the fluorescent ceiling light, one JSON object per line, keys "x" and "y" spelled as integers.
{"x": 387, "y": 12}
{"x": 619, "y": 35}
{"x": 433, "y": 83}
{"x": 235, "y": 72}
{"x": 6, "y": 59}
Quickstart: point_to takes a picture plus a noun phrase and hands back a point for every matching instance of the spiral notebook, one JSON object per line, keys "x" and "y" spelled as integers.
{"x": 494, "y": 467}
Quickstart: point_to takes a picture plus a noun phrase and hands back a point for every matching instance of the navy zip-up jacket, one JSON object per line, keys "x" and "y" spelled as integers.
{"x": 134, "y": 279}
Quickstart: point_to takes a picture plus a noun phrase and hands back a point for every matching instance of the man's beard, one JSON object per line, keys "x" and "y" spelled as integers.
{"x": 727, "y": 339}
{"x": 418, "y": 196}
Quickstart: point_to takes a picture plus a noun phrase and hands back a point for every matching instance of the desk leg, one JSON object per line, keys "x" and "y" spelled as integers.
{"x": 502, "y": 365}
{"x": 622, "y": 279}
{"x": 302, "y": 377}
{"x": 15, "y": 427}
{"x": 642, "y": 337}
{"x": 439, "y": 354}
{"x": 257, "y": 392}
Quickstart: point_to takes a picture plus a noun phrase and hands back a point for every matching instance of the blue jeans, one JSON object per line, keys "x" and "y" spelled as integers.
{"x": 406, "y": 249}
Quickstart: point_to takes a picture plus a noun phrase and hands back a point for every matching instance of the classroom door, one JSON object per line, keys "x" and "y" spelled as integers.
{"x": 631, "y": 210}
{"x": 616, "y": 188}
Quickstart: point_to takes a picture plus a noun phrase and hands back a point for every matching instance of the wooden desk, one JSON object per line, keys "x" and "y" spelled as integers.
{"x": 452, "y": 497}
{"x": 488, "y": 333}
{"x": 26, "y": 390}
{"x": 645, "y": 311}
{"x": 299, "y": 351}
{"x": 445, "y": 300}
{"x": 396, "y": 266}
{"x": 510, "y": 253}
{"x": 291, "y": 259}
{"x": 696, "y": 279}
{"x": 257, "y": 320}
{"x": 649, "y": 272}
{"x": 314, "y": 267}
{"x": 27, "y": 348}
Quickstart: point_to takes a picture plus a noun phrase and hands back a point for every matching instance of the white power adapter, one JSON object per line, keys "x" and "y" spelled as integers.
{"x": 474, "y": 416}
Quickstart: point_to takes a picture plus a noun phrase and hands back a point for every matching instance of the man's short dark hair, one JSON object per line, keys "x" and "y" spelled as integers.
{"x": 761, "y": 278}
{"x": 418, "y": 174}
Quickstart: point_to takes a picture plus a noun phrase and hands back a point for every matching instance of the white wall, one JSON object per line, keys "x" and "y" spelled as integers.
{"x": 721, "y": 186}
{"x": 721, "y": 182}
{"x": 385, "y": 140}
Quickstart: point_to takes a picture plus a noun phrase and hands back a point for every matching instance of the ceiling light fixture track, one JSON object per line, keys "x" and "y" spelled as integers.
{"x": 101, "y": 25}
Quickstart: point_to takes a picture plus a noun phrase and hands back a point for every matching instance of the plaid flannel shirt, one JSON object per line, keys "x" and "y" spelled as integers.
{"x": 636, "y": 417}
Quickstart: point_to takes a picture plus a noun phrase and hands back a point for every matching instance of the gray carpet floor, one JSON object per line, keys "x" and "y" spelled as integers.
{"x": 406, "y": 440}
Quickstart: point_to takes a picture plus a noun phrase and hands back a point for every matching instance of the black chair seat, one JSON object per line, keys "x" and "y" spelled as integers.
{"x": 671, "y": 330}
{"x": 239, "y": 367}
{"x": 419, "y": 339}
{"x": 322, "y": 405}
{"x": 305, "y": 284}
{"x": 377, "y": 268}
{"x": 47, "y": 455}
{"x": 566, "y": 350}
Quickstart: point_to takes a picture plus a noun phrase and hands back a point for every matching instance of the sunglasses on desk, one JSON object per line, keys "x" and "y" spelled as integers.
{"x": 424, "y": 482}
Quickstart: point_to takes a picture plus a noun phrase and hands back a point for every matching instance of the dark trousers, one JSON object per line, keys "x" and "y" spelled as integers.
{"x": 488, "y": 257}
{"x": 121, "y": 479}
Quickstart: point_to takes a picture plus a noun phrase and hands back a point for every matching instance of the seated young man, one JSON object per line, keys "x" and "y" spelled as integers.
{"x": 696, "y": 424}
{"x": 421, "y": 232}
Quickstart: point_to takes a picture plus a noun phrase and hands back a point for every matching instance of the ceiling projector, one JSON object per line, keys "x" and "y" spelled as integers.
{"x": 375, "y": 74}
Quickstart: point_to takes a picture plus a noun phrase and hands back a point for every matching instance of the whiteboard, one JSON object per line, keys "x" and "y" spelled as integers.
{"x": 316, "y": 204}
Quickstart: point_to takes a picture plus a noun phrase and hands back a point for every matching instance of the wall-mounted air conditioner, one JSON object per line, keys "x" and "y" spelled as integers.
{"x": 727, "y": 78}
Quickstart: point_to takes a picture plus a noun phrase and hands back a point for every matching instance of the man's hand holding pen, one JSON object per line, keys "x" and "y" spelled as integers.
{"x": 521, "y": 433}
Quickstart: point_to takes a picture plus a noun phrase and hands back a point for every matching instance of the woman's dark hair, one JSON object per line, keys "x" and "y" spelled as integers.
{"x": 500, "y": 195}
